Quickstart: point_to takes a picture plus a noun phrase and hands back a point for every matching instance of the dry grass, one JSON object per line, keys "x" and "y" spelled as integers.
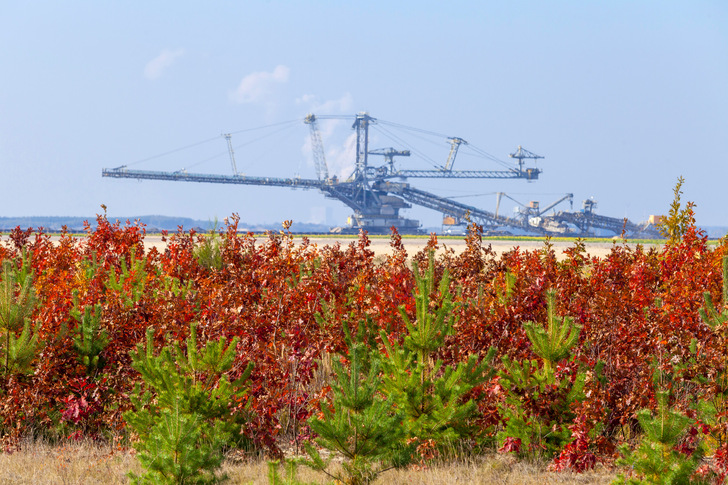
{"x": 84, "y": 463}
{"x": 72, "y": 463}
{"x": 487, "y": 470}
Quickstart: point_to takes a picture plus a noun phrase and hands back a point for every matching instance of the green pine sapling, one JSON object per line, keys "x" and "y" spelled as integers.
{"x": 17, "y": 301}
{"x": 208, "y": 251}
{"x": 289, "y": 478}
{"x": 710, "y": 315}
{"x": 90, "y": 338}
{"x": 505, "y": 294}
{"x": 541, "y": 429}
{"x": 429, "y": 394}
{"x": 553, "y": 343}
{"x": 655, "y": 460}
{"x": 132, "y": 280}
{"x": 715, "y": 409}
{"x": 183, "y": 418}
{"x": 358, "y": 423}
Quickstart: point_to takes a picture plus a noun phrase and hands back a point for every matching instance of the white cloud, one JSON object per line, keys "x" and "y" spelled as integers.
{"x": 257, "y": 86}
{"x": 154, "y": 68}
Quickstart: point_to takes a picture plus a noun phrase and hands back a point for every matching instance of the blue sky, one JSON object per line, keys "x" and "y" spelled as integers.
{"x": 621, "y": 97}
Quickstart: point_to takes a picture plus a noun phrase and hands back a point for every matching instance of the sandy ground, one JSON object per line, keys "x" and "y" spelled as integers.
{"x": 381, "y": 246}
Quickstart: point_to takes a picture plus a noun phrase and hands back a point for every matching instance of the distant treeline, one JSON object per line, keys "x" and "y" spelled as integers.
{"x": 156, "y": 224}
{"x": 153, "y": 224}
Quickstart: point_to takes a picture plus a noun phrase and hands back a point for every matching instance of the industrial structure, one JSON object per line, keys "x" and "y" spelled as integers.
{"x": 377, "y": 194}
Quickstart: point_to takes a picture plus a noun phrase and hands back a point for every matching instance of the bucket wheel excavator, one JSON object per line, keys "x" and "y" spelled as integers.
{"x": 377, "y": 193}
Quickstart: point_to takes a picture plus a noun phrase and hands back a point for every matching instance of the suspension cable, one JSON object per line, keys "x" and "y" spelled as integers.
{"x": 192, "y": 145}
{"x": 478, "y": 152}
{"x": 173, "y": 151}
{"x": 265, "y": 126}
{"x": 483, "y": 154}
{"x": 411, "y": 128}
{"x": 397, "y": 139}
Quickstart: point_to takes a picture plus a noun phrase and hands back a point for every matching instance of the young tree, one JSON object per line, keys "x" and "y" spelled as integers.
{"x": 90, "y": 339}
{"x": 429, "y": 394}
{"x": 17, "y": 301}
{"x": 655, "y": 460}
{"x": 676, "y": 224}
{"x": 537, "y": 406}
{"x": 553, "y": 343}
{"x": 183, "y": 419}
{"x": 357, "y": 422}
